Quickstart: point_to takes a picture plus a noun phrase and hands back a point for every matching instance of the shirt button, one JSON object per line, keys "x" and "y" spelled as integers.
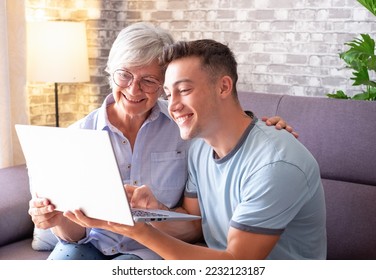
{"x": 129, "y": 166}
{"x": 134, "y": 182}
{"x": 124, "y": 141}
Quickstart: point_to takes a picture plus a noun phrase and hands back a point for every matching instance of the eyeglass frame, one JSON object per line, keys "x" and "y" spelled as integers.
{"x": 140, "y": 84}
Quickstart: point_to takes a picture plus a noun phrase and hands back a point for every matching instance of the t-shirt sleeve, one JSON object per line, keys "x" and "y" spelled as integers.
{"x": 271, "y": 197}
{"x": 190, "y": 187}
{"x": 193, "y": 161}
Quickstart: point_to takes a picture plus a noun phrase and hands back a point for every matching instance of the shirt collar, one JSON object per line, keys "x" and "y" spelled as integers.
{"x": 103, "y": 122}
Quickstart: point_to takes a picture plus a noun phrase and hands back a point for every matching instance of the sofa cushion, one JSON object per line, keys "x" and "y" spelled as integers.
{"x": 351, "y": 220}
{"x": 21, "y": 250}
{"x": 14, "y": 205}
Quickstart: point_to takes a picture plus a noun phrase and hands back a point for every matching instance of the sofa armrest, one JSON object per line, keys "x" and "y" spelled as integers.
{"x": 15, "y": 222}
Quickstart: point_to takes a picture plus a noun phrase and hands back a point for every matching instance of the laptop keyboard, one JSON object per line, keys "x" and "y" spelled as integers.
{"x": 145, "y": 213}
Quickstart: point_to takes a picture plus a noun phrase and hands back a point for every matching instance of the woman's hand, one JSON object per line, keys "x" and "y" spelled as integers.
{"x": 43, "y": 213}
{"x": 142, "y": 197}
{"x": 279, "y": 123}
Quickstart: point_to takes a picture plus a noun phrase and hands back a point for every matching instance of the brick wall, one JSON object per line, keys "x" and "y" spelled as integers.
{"x": 282, "y": 46}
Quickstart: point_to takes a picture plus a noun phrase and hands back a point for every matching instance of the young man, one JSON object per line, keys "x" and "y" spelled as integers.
{"x": 258, "y": 190}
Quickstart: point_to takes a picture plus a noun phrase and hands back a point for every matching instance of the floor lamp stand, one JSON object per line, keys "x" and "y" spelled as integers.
{"x": 56, "y": 106}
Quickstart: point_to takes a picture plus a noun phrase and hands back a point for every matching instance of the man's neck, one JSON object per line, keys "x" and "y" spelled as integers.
{"x": 228, "y": 135}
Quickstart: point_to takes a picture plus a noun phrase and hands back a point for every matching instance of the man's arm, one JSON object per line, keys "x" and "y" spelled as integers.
{"x": 189, "y": 231}
{"x": 241, "y": 244}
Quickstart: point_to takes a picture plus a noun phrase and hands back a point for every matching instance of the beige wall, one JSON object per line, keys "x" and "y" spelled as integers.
{"x": 282, "y": 46}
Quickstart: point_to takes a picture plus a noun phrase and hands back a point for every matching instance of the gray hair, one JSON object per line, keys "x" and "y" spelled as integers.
{"x": 137, "y": 45}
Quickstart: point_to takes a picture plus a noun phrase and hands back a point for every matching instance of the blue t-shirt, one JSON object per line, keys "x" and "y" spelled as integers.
{"x": 269, "y": 184}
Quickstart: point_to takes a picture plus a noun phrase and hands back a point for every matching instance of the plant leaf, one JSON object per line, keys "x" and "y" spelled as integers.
{"x": 338, "y": 95}
{"x": 372, "y": 63}
{"x": 361, "y": 77}
{"x": 361, "y": 96}
{"x": 370, "y": 5}
{"x": 361, "y": 52}
{"x": 365, "y": 96}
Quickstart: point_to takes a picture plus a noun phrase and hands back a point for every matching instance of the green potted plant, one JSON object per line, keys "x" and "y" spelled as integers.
{"x": 361, "y": 58}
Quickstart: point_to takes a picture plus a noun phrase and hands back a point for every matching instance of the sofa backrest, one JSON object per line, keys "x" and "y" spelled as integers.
{"x": 341, "y": 135}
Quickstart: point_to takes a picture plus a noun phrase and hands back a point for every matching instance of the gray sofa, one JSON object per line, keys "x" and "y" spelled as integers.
{"x": 340, "y": 134}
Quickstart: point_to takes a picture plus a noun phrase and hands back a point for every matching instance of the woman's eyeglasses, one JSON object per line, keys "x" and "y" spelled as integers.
{"x": 124, "y": 79}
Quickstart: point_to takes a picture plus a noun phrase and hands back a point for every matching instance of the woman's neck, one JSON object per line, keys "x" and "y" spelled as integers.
{"x": 129, "y": 125}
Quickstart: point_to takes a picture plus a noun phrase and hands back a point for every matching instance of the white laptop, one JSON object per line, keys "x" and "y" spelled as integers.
{"x": 77, "y": 169}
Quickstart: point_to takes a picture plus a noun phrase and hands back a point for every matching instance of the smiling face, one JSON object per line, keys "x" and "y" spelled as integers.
{"x": 132, "y": 100}
{"x": 192, "y": 98}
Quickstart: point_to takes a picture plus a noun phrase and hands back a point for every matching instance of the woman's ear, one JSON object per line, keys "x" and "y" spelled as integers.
{"x": 225, "y": 85}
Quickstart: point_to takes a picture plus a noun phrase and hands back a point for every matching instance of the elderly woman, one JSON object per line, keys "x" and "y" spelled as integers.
{"x": 147, "y": 144}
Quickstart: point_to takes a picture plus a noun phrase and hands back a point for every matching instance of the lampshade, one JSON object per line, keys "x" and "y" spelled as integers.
{"x": 57, "y": 52}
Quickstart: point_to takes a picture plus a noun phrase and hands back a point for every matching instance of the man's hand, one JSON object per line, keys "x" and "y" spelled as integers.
{"x": 78, "y": 217}
{"x": 279, "y": 123}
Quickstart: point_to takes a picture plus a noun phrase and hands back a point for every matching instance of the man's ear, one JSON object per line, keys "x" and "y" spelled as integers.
{"x": 225, "y": 84}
